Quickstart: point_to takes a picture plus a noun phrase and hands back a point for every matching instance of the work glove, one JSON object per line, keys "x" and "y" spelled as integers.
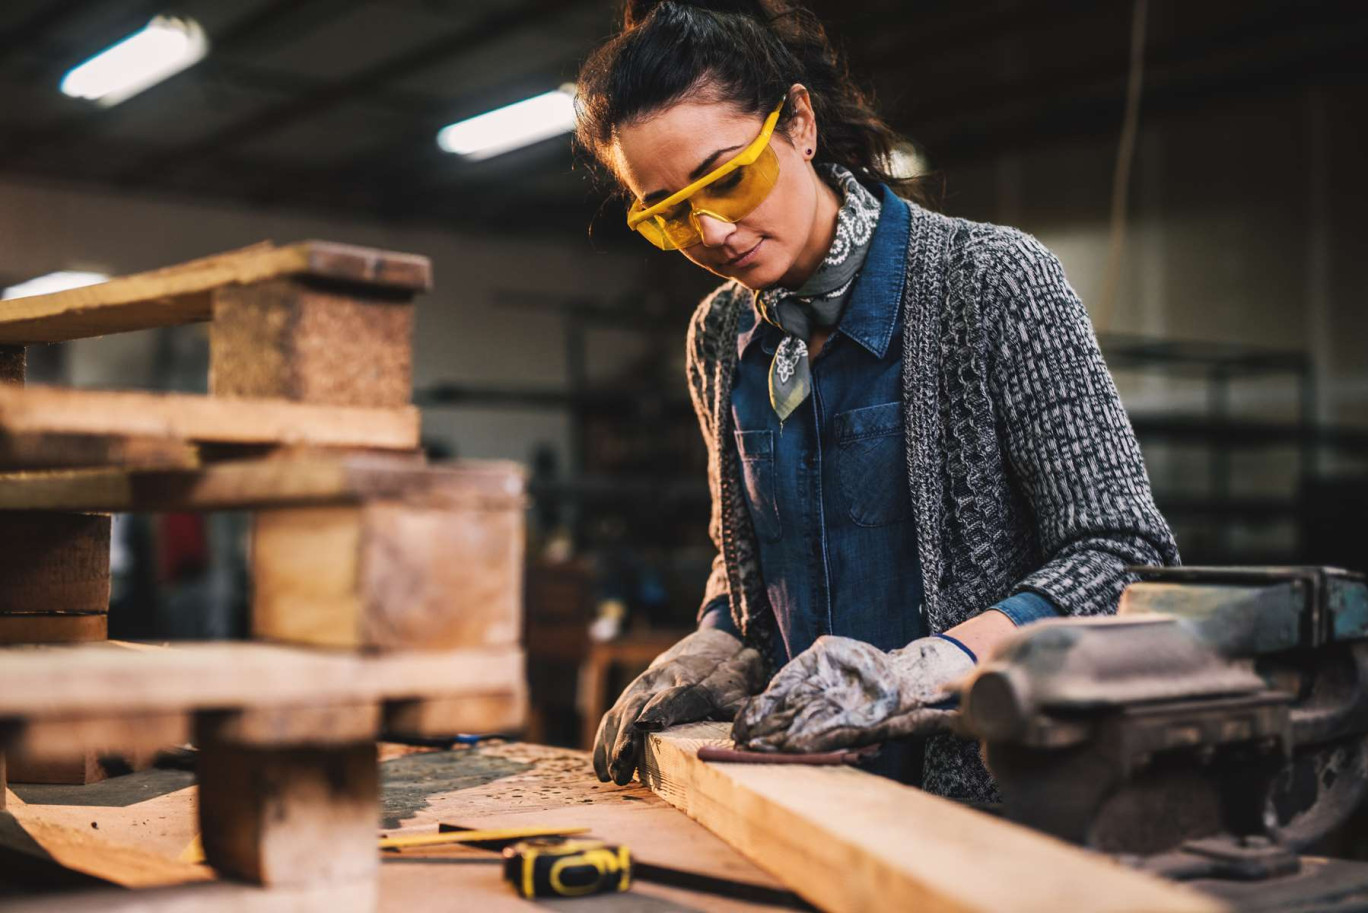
{"x": 707, "y": 675}
{"x": 842, "y": 692}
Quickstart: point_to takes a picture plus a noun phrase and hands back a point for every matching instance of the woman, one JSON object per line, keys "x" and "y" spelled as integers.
{"x": 914, "y": 444}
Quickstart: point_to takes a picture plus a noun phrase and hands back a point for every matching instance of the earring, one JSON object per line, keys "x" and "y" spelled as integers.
{"x": 809, "y": 152}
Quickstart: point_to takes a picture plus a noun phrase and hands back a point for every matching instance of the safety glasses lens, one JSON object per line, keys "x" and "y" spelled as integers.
{"x": 730, "y": 198}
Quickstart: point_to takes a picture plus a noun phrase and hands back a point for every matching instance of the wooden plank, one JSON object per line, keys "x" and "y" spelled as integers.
{"x": 289, "y": 816}
{"x": 29, "y": 843}
{"x": 104, "y": 680}
{"x": 846, "y": 840}
{"x": 204, "y": 418}
{"x": 656, "y": 834}
{"x": 296, "y": 340}
{"x": 44, "y": 450}
{"x": 53, "y": 564}
{"x": 388, "y": 576}
{"x": 182, "y": 294}
{"x": 214, "y": 897}
{"x": 263, "y": 483}
{"x": 53, "y": 629}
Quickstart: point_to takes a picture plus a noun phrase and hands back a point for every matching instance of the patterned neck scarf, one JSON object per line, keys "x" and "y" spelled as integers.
{"x": 820, "y": 300}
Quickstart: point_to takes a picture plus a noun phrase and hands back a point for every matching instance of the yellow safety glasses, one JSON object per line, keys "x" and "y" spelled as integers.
{"x": 729, "y": 192}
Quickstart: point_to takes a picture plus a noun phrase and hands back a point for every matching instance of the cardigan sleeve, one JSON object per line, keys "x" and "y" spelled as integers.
{"x": 1065, "y": 433}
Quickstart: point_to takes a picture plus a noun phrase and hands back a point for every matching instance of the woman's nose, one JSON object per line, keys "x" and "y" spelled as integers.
{"x": 714, "y": 232}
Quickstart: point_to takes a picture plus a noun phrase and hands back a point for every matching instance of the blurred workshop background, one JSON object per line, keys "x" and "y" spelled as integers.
{"x": 1198, "y": 167}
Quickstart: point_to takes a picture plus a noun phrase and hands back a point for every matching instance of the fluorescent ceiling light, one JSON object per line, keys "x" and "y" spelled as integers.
{"x": 522, "y": 124}
{"x": 163, "y": 48}
{"x": 53, "y": 282}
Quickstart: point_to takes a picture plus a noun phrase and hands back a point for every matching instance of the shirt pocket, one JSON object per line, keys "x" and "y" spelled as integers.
{"x": 757, "y": 468}
{"x": 871, "y": 459}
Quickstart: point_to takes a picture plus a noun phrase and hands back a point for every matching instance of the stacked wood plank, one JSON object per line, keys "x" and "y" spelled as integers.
{"x": 386, "y": 592}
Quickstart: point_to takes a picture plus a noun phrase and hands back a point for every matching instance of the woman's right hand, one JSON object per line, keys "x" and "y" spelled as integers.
{"x": 707, "y": 675}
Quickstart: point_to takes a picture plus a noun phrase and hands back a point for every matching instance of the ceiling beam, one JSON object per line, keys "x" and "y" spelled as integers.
{"x": 488, "y": 28}
{"x": 37, "y": 26}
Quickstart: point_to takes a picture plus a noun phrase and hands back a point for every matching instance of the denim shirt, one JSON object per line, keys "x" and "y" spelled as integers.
{"x": 827, "y": 489}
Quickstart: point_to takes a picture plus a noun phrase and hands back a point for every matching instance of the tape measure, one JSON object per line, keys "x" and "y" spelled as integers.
{"x": 551, "y": 867}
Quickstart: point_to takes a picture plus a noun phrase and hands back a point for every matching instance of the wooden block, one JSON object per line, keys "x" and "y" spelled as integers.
{"x": 289, "y": 816}
{"x": 53, "y": 564}
{"x": 13, "y": 361}
{"x": 438, "y": 718}
{"x": 846, "y": 840}
{"x": 92, "y": 680}
{"x": 183, "y": 293}
{"x": 71, "y": 770}
{"x": 388, "y": 576}
{"x": 187, "y": 417}
{"x": 53, "y": 629}
{"x": 301, "y": 340}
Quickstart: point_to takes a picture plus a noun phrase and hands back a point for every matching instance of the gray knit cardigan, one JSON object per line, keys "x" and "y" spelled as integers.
{"x": 1023, "y": 468}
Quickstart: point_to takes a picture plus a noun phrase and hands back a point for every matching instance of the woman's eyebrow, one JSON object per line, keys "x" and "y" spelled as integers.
{"x": 703, "y": 168}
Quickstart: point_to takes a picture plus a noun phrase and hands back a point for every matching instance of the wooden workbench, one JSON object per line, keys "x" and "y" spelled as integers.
{"x": 493, "y": 784}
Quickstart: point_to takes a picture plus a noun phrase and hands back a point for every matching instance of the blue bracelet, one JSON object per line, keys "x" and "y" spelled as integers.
{"x": 967, "y": 651}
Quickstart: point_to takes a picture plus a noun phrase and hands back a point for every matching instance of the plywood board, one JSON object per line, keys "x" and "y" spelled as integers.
{"x": 182, "y": 294}
{"x": 188, "y": 417}
{"x": 847, "y": 840}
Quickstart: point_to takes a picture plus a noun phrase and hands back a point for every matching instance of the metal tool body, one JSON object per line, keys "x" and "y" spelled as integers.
{"x": 1216, "y": 727}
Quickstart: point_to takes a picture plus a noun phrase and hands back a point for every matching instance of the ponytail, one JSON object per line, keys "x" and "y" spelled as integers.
{"x": 744, "y": 53}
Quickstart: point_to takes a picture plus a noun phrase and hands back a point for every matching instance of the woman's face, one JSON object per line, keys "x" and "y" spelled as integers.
{"x": 679, "y": 144}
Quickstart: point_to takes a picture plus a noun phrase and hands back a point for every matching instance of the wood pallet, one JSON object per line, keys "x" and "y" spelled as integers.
{"x": 386, "y": 593}
{"x": 309, "y": 344}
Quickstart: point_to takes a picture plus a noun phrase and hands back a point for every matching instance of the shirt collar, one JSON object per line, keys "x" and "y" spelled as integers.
{"x": 875, "y": 300}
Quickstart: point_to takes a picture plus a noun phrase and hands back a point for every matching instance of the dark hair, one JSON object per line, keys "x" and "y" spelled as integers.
{"x": 745, "y": 53}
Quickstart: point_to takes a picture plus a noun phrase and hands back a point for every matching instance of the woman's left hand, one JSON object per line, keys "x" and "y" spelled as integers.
{"x": 842, "y": 692}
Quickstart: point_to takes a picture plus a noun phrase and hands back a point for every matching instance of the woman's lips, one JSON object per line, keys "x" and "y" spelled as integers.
{"x": 748, "y": 257}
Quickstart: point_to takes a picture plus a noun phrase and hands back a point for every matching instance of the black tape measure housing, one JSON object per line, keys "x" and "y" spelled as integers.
{"x": 553, "y": 867}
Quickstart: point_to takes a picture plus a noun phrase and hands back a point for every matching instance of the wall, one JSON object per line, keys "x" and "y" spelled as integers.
{"x": 1246, "y": 226}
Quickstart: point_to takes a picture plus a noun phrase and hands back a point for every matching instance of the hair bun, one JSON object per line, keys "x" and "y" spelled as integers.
{"x": 636, "y": 11}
